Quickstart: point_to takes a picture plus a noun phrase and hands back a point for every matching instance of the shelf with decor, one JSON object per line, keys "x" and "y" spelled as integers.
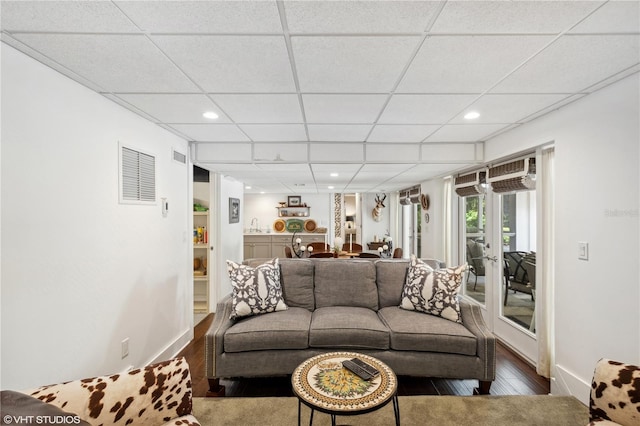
{"x": 200, "y": 262}
{"x": 293, "y": 211}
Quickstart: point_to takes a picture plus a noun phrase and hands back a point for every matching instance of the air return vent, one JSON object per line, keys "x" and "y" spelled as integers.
{"x": 179, "y": 157}
{"x": 137, "y": 176}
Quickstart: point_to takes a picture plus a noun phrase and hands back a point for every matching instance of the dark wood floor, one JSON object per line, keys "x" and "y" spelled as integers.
{"x": 513, "y": 377}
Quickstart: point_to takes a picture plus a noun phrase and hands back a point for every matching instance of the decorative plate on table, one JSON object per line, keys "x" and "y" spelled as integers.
{"x": 310, "y": 225}
{"x": 279, "y": 225}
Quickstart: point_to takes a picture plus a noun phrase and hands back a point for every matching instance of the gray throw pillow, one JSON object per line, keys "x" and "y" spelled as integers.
{"x": 255, "y": 290}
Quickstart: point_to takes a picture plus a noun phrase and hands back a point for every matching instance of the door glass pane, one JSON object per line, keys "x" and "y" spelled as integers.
{"x": 418, "y": 233}
{"x": 475, "y": 220}
{"x": 519, "y": 258}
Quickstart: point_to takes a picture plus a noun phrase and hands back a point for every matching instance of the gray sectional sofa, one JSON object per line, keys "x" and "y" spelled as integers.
{"x": 336, "y": 304}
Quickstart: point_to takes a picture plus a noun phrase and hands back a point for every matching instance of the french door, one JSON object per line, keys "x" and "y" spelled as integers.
{"x": 499, "y": 240}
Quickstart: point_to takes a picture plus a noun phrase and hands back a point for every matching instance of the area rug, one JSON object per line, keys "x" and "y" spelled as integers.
{"x": 414, "y": 410}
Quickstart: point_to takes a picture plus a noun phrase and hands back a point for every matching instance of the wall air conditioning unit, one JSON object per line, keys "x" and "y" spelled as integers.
{"x": 410, "y": 195}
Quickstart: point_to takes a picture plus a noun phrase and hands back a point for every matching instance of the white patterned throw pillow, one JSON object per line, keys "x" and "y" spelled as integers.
{"x": 432, "y": 291}
{"x": 255, "y": 290}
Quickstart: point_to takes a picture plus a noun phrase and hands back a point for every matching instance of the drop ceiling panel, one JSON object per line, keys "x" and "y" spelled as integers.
{"x": 333, "y": 152}
{"x": 275, "y": 132}
{"x": 217, "y": 152}
{"x": 351, "y": 64}
{"x": 613, "y": 17}
{"x": 401, "y": 132}
{"x": 66, "y": 16}
{"x": 280, "y": 152}
{"x": 118, "y": 63}
{"x": 339, "y": 132}
{"x": 232, "y": 63}
{"x": 261, "y": 108}
{"x": 211, "y": 132}
{"x": 449, "y": 153}
{"x": 204, "y": 16}
{"x": 467, "y": 64}
{"x": 499, "y": 17}
{"x": 507, "y": 108}
{"x": 392, "y": 153}
{"x": 464, "y": 132}
{"x": 350, "y": 17}
{"x": 244, "y": 169}
{"x": 343, "y": 170}
{"x": 169, "y": 108}
{"x": 569, "y": 66}
{"x": 424, "y": 109}
{"x": 342, "y": 108}
{"x": 423, "y": 172}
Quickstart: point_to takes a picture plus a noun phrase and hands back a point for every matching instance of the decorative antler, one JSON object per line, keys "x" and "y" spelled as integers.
{"x": 376, "y": 213}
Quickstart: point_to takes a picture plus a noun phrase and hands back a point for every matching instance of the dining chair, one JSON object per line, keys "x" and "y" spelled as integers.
{"x": 288, "y": 253}
{"x": 320, "y": 246}
{"x": 352, "y": 247}
{"x": 369, "y": 255}
{"x": 397, "y": 253}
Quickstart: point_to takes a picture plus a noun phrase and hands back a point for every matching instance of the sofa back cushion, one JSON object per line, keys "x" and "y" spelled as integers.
{"x": 345, "y": 283}
{"x": 296, "y": 276}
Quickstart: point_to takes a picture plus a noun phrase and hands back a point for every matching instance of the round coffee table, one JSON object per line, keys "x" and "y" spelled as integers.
{"x": 323, "y": 384}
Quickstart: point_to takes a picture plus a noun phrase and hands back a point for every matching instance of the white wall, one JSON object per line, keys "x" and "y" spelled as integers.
{"x": 81, "y": 272}
{"x": 263, "y": 207}
{"x": 369, "y": 226}
{"x": 433, "y": 232}
{"x": 597, "y": 188}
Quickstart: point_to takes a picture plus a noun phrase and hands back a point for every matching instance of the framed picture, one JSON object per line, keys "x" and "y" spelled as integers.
{"x": 234, "y": 210}
{"x": 294, "y": 201}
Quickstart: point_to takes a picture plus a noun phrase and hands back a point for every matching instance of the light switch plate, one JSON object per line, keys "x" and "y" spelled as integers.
{"x": 583, "y": 250}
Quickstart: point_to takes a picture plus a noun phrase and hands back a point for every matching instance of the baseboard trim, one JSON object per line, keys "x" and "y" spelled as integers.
{"x": 174, "y": 347}
{"x": 567, "y": 383}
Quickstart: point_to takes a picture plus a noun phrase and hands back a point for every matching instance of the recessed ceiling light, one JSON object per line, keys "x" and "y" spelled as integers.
{"x": 472, "y": 115}
{"x": 210, "y": 115}
{"x": 262, "y": 192}
{"x": 334, "y": 174}
{"x": 330, "y": 187}
{"x": 247, "y": 187}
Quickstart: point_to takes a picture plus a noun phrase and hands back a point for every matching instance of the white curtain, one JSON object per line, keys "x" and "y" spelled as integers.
{"x": 545, "y": 266}
{"x": 447, "y": 214}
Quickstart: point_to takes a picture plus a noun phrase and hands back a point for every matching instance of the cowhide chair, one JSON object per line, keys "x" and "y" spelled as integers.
{"x": 615, "y": 394}
{"x": 158, "y": 394}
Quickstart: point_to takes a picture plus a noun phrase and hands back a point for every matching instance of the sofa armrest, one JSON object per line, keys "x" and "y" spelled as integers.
{"x": 214, "y": 338}
{"x": 486, "y": 347}
{"x": 151, "y": 395}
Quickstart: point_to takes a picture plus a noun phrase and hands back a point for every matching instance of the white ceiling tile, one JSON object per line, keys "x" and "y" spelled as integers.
{"x": 422, "y": 172}
{"x": 338, "y": 132}
{"x": 613, "y": 17}
{"x": 401, "y": 132}
{"x": 204, "y": 16}
{"x": 520, "y": 17}
{"x": 65, "y": 16}
{"x": 359, "y": 17}
{"x": 392, "y": 153}
{"x": 573, "y": 63}
{"x": 118, "y": 63}
{"x": 464, "y": 132}
{"x": 170, "y": 108}
{"x": 261, "y": 108}
{"x": 507, "y": 108}
{"x": 326, "y": 152}
{"x": 280, "y": 152}
{"x": 351, "y": 64}
{"x": 449, "y": 152}
{"x": 467, "y": 64}
{"x": 424, "y": 109}
{"x": 245, "y": 169}
{"x": 217, "y": 152}
{"x": 211, "y": 132}
{"x": 342, "y": 108}
{"x": 275, "y": 132}
{"x": 232, "y": 63}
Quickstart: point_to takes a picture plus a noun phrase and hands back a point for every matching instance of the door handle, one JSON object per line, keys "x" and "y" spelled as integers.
{"x": 493, "y": 259}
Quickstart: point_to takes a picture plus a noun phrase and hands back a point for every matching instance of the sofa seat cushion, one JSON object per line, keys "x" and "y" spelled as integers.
{"x": 415, "y": 331}
{"x": 347, "y": 327}
{"x": 277, "y": 330}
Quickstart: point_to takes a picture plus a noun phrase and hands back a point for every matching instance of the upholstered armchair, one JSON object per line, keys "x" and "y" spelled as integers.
{"x": 615, "y": 394}
{"x": 159, "y": 394}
